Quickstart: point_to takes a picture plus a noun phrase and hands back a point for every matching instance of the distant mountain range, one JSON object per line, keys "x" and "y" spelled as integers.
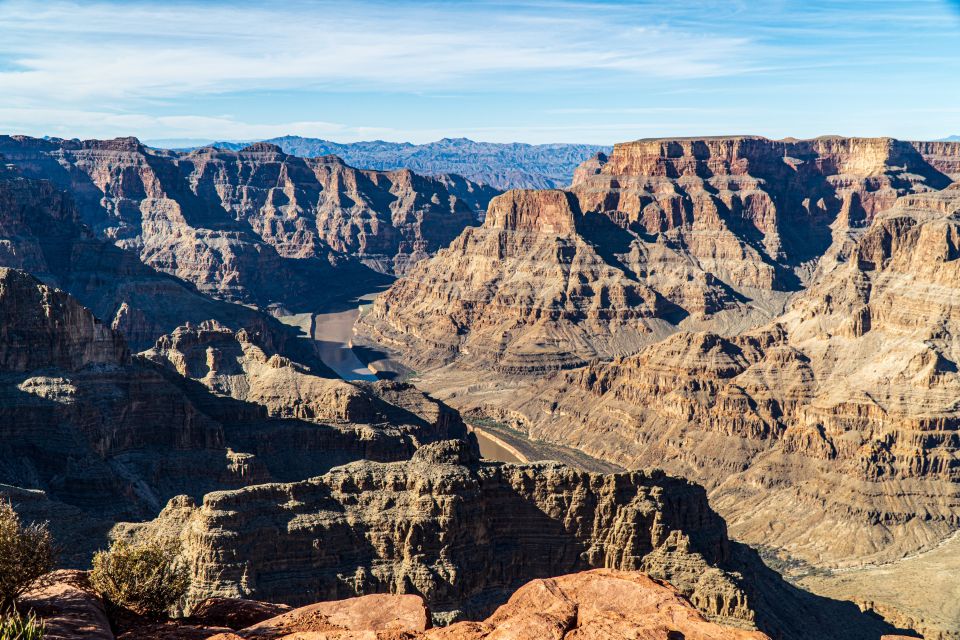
{"x": 951, "y": 139}
{"x": 504, "y": 166}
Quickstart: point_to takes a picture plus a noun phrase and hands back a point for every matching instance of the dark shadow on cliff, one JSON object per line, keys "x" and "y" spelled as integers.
{"x": 787, "y": 612}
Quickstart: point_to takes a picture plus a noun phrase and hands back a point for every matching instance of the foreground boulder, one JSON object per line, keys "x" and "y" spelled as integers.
{"x": 593, "y": 605}
{"x": 584, "y": 606}
{"x": 69, "y": 607}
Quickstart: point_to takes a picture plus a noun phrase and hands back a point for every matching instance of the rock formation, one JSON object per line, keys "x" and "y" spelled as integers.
{"x": 462, "y": 533}
{"x": 69, "y": 607}
{"x": 41, "y": 232}
{"x": 256, "y": 225}
{"x": 827, "y": 437}
{"x": 662, "y": 234}
{"x": 524, "y": 292}
{"x": 90, "y": 435}
{"x": 943, "y": 155}
{"x": 593, "y": 604}
{"x": 305, "y": 208}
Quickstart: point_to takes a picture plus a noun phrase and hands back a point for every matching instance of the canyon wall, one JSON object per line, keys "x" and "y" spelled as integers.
{"x": 697, "y": 234}
{"x": 237, "y": 224}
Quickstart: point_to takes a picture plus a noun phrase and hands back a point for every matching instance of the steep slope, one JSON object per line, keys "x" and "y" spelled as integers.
{"x": 522, "y": 293}
{"x": 106, "y": 436}
{"x": 40, "y": 231}
{"x": 828, "y": 437}
{"x": 255, "y": 226}
{"x": 944, "y": 155}
{"x": 664, "y": 234}
{"x": 501, "y": 166}
{"x": 463, "y": 534}
{"x": 307, "y": 207}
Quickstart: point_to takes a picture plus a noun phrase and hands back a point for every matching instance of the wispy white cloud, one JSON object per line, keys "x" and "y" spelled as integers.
{"x": 114, "y": 52}
{"x": 572, "y": 69}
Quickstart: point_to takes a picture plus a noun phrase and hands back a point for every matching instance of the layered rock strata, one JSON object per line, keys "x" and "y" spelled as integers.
{"x": 693, "y": 234}
{"x": 237, "y": 224}
{"x": 41, "y": 232}
{"x": 459, "y": 532}
{"x": 523, "y": 292}
{"x": 944, "y": 156}
{"x": 90, "y": 435}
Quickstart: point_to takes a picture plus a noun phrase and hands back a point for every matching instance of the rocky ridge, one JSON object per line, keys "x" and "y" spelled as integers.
{"x": 41, "y": 232}
{"x": 662, "y": 234}
{"x": 235, "y": 224}
{"x": 827, "y": 437}
{"x": 91, "y": 435}
{"x": 462, "y": 533}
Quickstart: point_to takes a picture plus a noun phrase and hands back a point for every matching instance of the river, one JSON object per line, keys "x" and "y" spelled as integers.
{"x": 333, "y": 335}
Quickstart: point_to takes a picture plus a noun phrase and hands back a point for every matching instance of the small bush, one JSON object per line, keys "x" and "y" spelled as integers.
{"x": 26, "y": 553}
{"x": 145, "y": 577}
{"x": 14, "y": 626}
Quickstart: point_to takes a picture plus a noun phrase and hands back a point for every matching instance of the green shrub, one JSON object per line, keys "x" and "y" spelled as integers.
{"x": 146, "y": 577}
{"x": 26, "y": 553}
{"x": 14, "y": 626}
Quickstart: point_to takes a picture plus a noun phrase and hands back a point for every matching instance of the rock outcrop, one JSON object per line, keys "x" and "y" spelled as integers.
{"x": 696, "y": 234}
{"x": 69, "y": 607}
{"x": 843, "y": 411}
{"x": 943, "y": 155}
{"x": 462, "y": 533}
{"x": 256, "y": 225}
{"x": 522, "y": 293}
{"x": 589, "y": 605}
{"x": 90, "y": 435}
{"x": 41, "y": 232}
{"x": 305, "y": 208}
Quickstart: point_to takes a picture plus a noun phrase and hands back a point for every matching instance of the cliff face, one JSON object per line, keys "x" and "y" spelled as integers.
{"x": 41, "y": 232}
{"x": 105, "y": 436}
{"x": 237, "y": 365}
{"x": 662, "y": 235}
{"x": 501, "y": 166}
{"x": 944, "y": 156}
{"x": 307, "y": 207}
{"x": 522, "y": 293}
{"x": 831, "y": 433}
{"x": 238, "y": 224}
{"x": 462, "y": 533}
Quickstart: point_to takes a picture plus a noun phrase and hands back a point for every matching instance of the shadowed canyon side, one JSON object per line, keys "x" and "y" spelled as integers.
{"x": 92, "y": 435}
{"x": 842, "y": 413}
{"x": 664, "y": 234}
{"x": 289, "y": 485}
{"x": 238, "y": 224}
{"x": 41, "y": 232}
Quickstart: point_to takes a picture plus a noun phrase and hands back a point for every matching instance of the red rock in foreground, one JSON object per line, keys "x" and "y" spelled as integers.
{"x": 593, "y": 605}
{"x": 69, "y": 607}
{"x": 582, "y": 606}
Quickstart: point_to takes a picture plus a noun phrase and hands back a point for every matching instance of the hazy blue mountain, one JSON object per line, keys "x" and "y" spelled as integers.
{"x": 501, "y": 165}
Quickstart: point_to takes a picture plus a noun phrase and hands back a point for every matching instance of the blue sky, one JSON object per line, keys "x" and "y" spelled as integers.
{"x": 538, "y": 71}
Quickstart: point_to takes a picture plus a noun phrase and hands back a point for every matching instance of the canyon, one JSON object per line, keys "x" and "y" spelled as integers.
{"x": 773, "y": 319}
{"x": 742, "y": 351}
{"x": 237, "y": 224}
